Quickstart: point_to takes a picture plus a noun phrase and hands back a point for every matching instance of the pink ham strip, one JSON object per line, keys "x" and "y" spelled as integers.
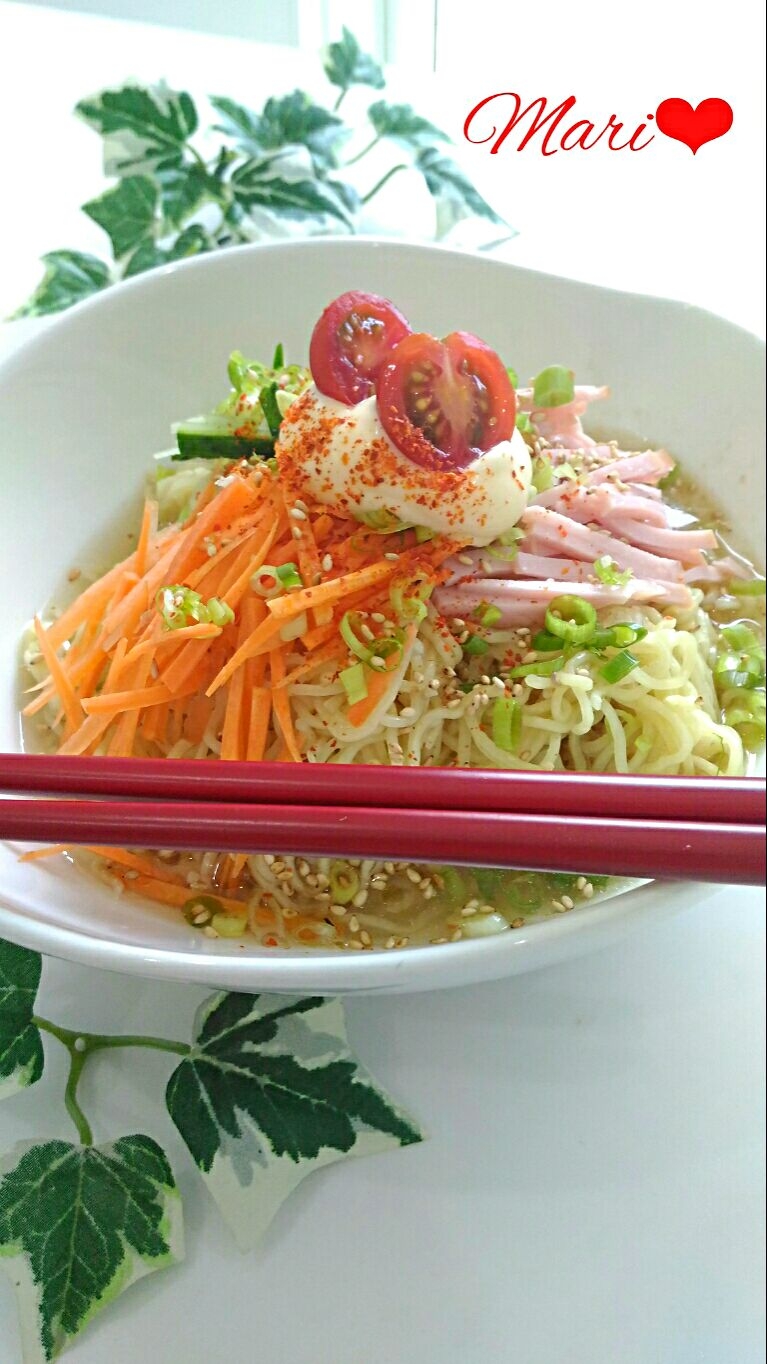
{"x": 524, "y": 603}
{"x": 642, "y": 523}
{"x": 561, "y": 425}
{"x": 649, "y": 466}
{"x": 546, "y": 532}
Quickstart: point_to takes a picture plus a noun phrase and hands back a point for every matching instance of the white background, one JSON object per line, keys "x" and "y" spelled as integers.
{"x": 659, "y": 221}
{"x": 592, "y": 1192}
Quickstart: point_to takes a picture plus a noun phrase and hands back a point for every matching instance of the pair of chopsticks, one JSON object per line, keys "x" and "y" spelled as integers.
{"x": 707, "y": 829}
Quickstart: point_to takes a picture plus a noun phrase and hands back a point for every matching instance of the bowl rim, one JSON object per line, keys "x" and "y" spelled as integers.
{"x": 416, "y": 967}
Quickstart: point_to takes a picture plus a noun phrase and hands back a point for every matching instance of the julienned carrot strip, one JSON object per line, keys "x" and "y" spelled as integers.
{"x": 234, "y": 590}
{"x": 134, "y": 699}
{"x": 154, "y": 724}
{"x": 121, "y": 743}
{"x": 258, "y": 723}
{"x": 261, "y": 638}
{"x": 234, "y": 734}
{"x": 121, "y": 619}
{"x": 89, "y": 604}
{"x": 165, "y": 893}
{"x": 146, "y": 535}
{"x": 38, "y": 853}
{"x": 88, "y": 735}
{"x": 323, "y": 527}
{"x": 311, "y": 570}
{"x": 175, "y": 723}
{"x": 78, "y": 671}
{"x": 252, "y": 612}
{"x": 148, "y": 646}
{"x": 335, "y": 649}
{"x": 281, "y": 706}
{"x": 285, "y": 608}
{"x": 134, "y": 862}
{"x": 376, "y": 685}
{"x": 66, "y": 693}
{"x": 313, "y": 639}
{"x": 235, "y": 865}
{"x": 197, "y": 717}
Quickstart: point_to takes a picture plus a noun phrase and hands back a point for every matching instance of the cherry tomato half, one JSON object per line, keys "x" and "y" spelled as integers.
{"x": 443, "y": 403}
{"x": 351, "y": 342}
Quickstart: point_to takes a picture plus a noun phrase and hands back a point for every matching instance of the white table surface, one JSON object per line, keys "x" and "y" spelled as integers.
{"x": 592, "y": 1190}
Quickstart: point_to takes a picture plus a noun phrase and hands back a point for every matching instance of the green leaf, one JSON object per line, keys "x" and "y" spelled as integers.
{"x": 144, "y": 129}
{"x": 553, "y": 387}
{"x": 401, "y": 122}
{"x": 346, "y": 64}
{"x": 254, "y": 185}
{"x": 70, "y": 276}
{"x": 21, "y": 1050}
{"x": 456, "y": 196}
{"x": 193, "y": 241}
{"x": 183, "y": 189}
{"x": 269, "y": 1093}
{"x": 294, "y": 120}
{"x": 79, "y": 1225}
{"x": 126, "y": 212}
{"x": 237, "y": 122}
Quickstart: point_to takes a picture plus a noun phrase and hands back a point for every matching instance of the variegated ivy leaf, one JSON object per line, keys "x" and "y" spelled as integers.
{"x": 193, "y": 241}
{"x": 346, "y": 64}
{"x": 403, "y": 124}
{"x": 126, "y": 213}
{"x": 270, "y": 1092}
{"x": 455, "y": 195}
{"x": 70, "y": 276}
{"x": 21, "y": 1050}
{"x": 79, "y": 1225}
{"x": 143, "y": 129}
{"x": 256, "y": 185}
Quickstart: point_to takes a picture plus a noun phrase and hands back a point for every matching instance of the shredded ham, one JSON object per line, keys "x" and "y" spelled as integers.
{"x": 561, "y": 426}
{"x": 648, "y": 466}
{"x": 546, "y": 532}
{"x": 524, "y": 603}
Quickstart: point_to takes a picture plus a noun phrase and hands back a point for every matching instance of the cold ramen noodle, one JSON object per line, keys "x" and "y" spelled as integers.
{"x": 401, "y": 556}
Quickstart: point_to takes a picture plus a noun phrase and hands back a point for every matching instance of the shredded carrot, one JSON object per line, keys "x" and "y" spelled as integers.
{"x": 134, "y": 862}
{"x": 66, "y": 692}
{"x": 154, "y": 726}
{"x": 293, "y": 603}
{"x": 335, "y": 649}
{"x": 281, "y": 706}
{"x": 146, "y": 535}
{"x": 38, "y": 853}
{"x": 204, "y": 630}
{"x": 314, "y": 639}
{"x": 261, "y": 638}
{"x": 258, "y": 723}
{"x": 376, "y": 685}
{"x": 166, "y": 893}
{"x": 234, "y": 735}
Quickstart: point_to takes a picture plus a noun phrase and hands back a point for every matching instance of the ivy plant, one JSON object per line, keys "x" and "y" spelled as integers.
{"x": 181, "y": 191}
{"x": 266, "y": 1092}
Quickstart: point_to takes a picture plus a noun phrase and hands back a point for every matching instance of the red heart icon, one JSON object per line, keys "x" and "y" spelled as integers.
{"x": 676, "y": 118}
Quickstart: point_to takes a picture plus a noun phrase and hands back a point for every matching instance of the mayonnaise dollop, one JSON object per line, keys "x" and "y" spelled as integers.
{"x": 341, "y": 456}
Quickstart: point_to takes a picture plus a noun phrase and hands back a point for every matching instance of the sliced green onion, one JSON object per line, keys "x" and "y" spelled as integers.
{"x": 523, "y": 422}
{"x": 354, "y": 683}
{"x": 740, "y": 636}
{"x": 237, "y": 369}
{"x": 413, "y": 606}
{"x": 544, "y": 643}
{"x": 270, "y": 408}
{"x": 289, "y": 576}
{"x": 553, "y": 387}
{"x": 475, "y": 644}
{"x": 383, "y": 650}
{"x": 506, "y": 723}
{"x": 199, "y": 910}
{"x": 266, "y": 583}
{"x": 607, "y": 571}
{"x": 617, "y": 637}
{"x": 383, "y": 522}
{"x": 344, "y": 883}
{"x": 279, "y": 357}
{"x": 361, "y": 648}
{"x": 544, "y": 667}
{"x": 747, "y": 587}
{"x": 510, "y": 536}
{"x": 455, "y": 887}
{"x": 669, "y": 479}
{"x": 220, "y": 612}
{"x": 229, "y": 925}
{"x": 178, "y": 605}
{"x": 487, "y": 614}
{"x": 513, "y": 376}
{"x": 422, "y": 534}
{"x": 572, "y": 619}
{"x": 619, "y": 666}
{"x": 543, "y": 474}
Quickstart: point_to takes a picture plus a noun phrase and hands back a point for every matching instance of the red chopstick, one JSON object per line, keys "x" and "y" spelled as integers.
{"x": 734, "y": 800}
{"x": 673, "y": 849}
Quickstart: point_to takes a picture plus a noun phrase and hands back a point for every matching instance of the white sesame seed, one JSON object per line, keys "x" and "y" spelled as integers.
{"x": 269, "y": 859}
{"x": 456, "y": 937}
{"x": 354, "y": 924}
{"x": 467, "y": 911}
{"x": 391, "y": 942}
{"x": 360, "y": 899}
{"x": 581, "y": 883}
{"x": 391, "y": 556}
{"x": 485, "y": 680}
{"x": 413, "y": 875}
{"x": 487, "y": 909}
{"x": 377, "y": 661}
{"x": 567, "y": 902}
{"x": 588, "y": 891}
{"x": 365, "y": 938}
{"x": 73, "y": 575}
{"x": 378, "y": 617}
{"x": 458, "y": 623}
{"x": 389, "y": 868}
{"x": 558, "y": 906}
{"x": 499, "y": 683}
{"x": 298, "y": 534}
{"x": 454, "y": 704}
{"x": 338, "y": 910}
{"x": 327, "y": 562}
{"x": 466, "y": 559}
{"x": 297, "y": 514}
{"x": 210, "y": 931}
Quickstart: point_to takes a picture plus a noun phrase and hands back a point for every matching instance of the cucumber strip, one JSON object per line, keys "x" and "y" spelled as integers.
{"x": 199, "y": 445}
